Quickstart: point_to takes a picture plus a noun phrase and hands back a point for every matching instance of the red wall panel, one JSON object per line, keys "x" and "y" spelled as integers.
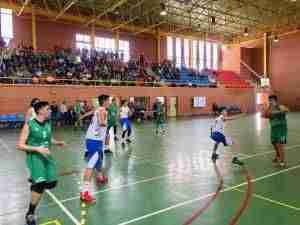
{"x": 285, "y": 70}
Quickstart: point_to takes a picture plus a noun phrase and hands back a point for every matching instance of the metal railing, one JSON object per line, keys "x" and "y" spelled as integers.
{"x": 54, "y": 81}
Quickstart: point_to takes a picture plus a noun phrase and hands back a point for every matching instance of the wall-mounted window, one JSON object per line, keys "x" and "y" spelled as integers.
{"x": 6, "y": 24}
{"x": 124, "y": 50}
{"x": 83, "y": 41}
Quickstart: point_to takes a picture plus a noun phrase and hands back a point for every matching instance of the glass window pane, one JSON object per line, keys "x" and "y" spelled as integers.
{"x": 187, "y": 52}
{"x": 208, "y": 55}
{"x": 195, "y": 52}
{"x": 178, "y": 52}
{"x": 201, "y": 55}
{"x": 6, "y": 24}
{"x": 215, "y": 56}
{"x": 169, "y": 48}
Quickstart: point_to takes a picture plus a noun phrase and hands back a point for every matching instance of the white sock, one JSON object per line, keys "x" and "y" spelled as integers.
{"x": 86, "y": 186}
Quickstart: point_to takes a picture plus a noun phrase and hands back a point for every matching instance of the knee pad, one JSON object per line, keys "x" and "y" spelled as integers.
{"x": 38, "y": 187}
{"x": 50, "y": 185}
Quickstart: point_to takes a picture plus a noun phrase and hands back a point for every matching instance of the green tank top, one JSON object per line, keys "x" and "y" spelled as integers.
{"x": 278, "y": 118}
{"x": 40, "y": 134}
{"x": 112, "y": 114}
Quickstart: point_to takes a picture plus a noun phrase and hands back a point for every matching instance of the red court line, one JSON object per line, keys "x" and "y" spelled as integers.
{"x": 199, "y": 212}
{"x": 245, "y": 202}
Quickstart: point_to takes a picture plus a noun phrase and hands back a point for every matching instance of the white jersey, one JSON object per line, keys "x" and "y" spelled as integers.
{"x": 219, "y": 125}
{"x": 95, "y": 130}
{"x": 124, "y": 112}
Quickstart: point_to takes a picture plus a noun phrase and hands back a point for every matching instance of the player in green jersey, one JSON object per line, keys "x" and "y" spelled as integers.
{"x": 160, "y": 118}
{"x": 36, "y": 139}
{"x": 112, "y": 122}
{"x": 277, "y": 116}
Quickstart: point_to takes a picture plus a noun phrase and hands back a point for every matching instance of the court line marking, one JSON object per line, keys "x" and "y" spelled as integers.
{"x": 206, "y": 196}
{"x": 53, "y": 222}
{"x": 244, "y": 156}
{"x": 5, "y": 146}
{"x": 275, "y": 202}
{"x": 122, "y": 186}
{"x": 157, "y": 177}
{"x": 63, "y": 208}
{"x": 269, "y": 152}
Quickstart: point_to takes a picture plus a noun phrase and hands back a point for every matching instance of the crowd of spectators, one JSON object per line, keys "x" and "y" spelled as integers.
{"x": 23, "y": 62}
{"x": 25, "y": 65}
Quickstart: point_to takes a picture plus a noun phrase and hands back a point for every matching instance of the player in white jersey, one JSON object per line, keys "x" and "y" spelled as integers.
{"x": 218, "y": 135}
{"x": 125, "y": 113}
{"x": 95, "y": 138}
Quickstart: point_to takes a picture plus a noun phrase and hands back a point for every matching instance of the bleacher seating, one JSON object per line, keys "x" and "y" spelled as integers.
{"x": 231, "y": 80}
{"x": 12, "y": 120}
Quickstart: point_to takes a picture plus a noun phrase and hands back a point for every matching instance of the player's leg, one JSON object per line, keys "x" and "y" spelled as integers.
{"x": 116, "y": 132}
{"x": 129, "y": 131}
{"x": 37, "y": 168}
{"x": 100, "y": 177}
{"x": 91, "y": 157}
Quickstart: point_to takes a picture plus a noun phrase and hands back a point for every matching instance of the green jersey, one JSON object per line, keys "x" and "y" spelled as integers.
{"x": 278, "y": 118}
{"x": 112, "y": 114}
{"x": 42, "y": 169}
{"x": 77, "y": 108}
{"x": 160, "y": 114}
{"x": 40, "y": 134}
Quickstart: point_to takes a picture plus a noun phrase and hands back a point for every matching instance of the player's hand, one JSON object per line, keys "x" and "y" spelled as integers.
{"x": 60, "y": 143}
{"x": 44, "y": 151}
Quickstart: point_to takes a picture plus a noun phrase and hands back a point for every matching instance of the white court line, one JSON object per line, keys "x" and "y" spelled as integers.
{"x": 269, "y": 152}
{"x": 5, "y": 146}
{"x": 271, "y": 201}
{"x": 122, "y": 186}
{"x": 205, "y": 196}
{"x": 163, "y": 176}
{"x": 63, "y": 208}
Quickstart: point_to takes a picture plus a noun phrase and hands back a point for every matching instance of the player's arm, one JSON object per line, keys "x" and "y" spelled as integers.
{"x": 284, "y": 108}
{"x": 28, "y": 115}
{"x": 103, "y": 118}
{"x": 22, "y": 146}
{"x": 235, "y": 117}
{"x": 86, "y": 115}
{"x": 56, "y": 142}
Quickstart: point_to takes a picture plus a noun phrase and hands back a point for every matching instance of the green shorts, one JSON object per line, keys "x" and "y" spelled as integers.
{"x": 279, "y": 135}
{"x": 41, "y": 169}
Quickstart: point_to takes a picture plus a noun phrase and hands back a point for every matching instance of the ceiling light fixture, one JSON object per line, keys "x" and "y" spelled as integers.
{"x": 163, "y": 11}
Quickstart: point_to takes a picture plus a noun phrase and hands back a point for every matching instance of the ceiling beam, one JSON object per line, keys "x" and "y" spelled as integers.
{"x": 74, "y": 19}
{"x": 108, "y": 10}
{"x": 149, "y": 28}
{"x": 65, "y": 9}
{"x": 25, "y": 3}
{"x": 133, "y": 19}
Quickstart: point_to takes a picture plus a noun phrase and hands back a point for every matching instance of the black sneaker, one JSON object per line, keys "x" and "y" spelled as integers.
{"x": 108, "y": 151}
{"x": 214, "y": 157}
{"x": 30, "y": 220}
{"x": 236, "y": 161}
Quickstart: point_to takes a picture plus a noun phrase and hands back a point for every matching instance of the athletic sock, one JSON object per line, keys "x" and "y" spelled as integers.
{"x": 31, "y": 209}
{"x": 86, "y": 186}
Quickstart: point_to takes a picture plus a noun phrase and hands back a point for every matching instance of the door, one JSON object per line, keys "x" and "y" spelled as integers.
{"x": 173, "y": 107}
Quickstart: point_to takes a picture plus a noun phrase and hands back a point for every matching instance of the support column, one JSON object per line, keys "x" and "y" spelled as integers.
{"x": 158, "y": 39}
{"x": 33, "y": 28}
{"x": 93, "y": 36}
{"x": 266, "y": 55}
{"x": 117, "y": 39}
{"x": 190, "y": 53}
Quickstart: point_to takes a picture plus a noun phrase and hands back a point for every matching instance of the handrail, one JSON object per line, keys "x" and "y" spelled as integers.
{"x": 251, "y": 70}
{"x": 54, "y": 81}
